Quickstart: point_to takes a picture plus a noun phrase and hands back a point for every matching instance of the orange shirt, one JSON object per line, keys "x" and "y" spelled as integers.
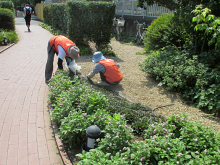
{"x": 62, "y": 41}
{"x": 112, "y": 72}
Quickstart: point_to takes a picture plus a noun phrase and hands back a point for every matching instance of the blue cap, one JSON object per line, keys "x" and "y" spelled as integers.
{"x": 98, "y": 56}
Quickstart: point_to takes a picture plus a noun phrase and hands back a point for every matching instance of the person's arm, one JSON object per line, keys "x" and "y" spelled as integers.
{"x": 61, "y": 56}
{"x": 60, "y": 63}
{"x": 98, "y": 68}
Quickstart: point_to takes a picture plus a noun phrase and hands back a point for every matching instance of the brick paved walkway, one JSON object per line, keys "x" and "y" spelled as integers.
{"x": 26, "y": 137}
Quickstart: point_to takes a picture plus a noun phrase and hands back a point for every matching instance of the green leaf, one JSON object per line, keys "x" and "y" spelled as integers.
{"x": 188, "y": 156}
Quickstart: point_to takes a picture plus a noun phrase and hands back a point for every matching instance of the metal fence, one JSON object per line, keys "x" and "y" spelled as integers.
{"x": 128, "y": 7}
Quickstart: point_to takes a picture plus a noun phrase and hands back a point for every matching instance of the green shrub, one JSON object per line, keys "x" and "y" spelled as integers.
{"x": 47, "y": 14}
{"x": 84, "y": 49}
{"x": 59, "y": 17}
{"x": 187, "y": 74}
{"x": 11, "y": 36}
{"x": 161, "y": 32}
{"x": 90, "y": 21}
{"x": 177, "y": 141}
{"x": 7, "y": 21}
{"x": 174, "y": 141}
{"x": 7, "y": 5}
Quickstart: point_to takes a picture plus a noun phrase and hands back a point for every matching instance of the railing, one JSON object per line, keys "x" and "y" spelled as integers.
{"x": 128, "y": 7}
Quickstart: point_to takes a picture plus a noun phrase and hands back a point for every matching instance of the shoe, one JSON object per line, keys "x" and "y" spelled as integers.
{"x": 29, "y": 30}
{"x": 103, "y": 83}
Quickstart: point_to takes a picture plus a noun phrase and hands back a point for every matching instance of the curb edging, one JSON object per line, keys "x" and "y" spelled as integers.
{"x": 8, "y": 47}
{"x": 63, "y": 154}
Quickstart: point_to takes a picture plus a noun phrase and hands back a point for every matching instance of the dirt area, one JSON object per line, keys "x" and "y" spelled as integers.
{"x": 143, "y": 89}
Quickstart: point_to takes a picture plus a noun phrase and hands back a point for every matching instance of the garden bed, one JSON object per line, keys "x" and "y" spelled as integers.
{"x": 77, "y": 105}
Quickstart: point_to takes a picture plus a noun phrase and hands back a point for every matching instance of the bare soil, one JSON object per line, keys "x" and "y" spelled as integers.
{"x": 143, "y": 88}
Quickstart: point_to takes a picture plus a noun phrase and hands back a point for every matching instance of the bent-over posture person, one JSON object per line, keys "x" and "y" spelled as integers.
{"x": 64, "y": 48}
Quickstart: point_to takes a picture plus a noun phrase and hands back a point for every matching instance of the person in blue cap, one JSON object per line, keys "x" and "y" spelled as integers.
{"x": 107, "y": 68}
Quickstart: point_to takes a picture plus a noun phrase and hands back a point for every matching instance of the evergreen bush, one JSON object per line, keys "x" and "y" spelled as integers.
{"x": 7, "y": 5}
{"x": 162, "y": 32}
{"x": 7, "y": 21}
{"x": 47, "y": 15}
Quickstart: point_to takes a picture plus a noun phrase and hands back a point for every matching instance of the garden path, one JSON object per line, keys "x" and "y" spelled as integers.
{"x": 26, "y": 134}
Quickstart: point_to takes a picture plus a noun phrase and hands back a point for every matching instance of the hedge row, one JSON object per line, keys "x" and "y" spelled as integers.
{"x": 82, "y": 21}
{"x": 7, "y": 16}
{"x": 7, "y": 5}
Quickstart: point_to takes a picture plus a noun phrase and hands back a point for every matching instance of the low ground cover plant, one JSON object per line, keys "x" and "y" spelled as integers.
{"x": 76, "y": 105}
{"x": 184, "y": 54}
{"x": 10, "y": 35}
{"x": 186, "y": 73}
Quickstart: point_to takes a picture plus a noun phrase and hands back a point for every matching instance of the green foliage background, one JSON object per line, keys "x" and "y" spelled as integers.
{"x": 7, "y": 21}
{"x": 82, "y": 21}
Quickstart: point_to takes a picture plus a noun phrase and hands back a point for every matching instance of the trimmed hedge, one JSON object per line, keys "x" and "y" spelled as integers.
{"x": 91, "y": 21}
{"x": 59, "y": 17}
{"x": 7, "y": 21}
{"x": 47, "y": 13}
{"x": 7, "y": 5}
{"x": 82, "y": 21}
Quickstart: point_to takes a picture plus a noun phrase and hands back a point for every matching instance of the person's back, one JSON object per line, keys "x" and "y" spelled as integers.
{"x": 27, "y": 15}
{"x": 28, "y": 12}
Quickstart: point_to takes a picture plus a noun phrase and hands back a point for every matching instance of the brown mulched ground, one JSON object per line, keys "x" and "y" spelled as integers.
{"x": 143, "y": 89}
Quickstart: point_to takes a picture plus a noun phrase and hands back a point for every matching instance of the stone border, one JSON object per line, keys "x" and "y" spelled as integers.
{"x": 8, "y": 47}
{"x": 63, "y": 154}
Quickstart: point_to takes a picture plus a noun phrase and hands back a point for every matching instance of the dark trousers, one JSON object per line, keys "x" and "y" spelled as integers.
{"x": 28, "y": 20}
{"x": 49, "y": 65}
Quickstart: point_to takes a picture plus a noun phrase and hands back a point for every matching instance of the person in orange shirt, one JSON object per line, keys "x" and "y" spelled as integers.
{"x": 64, "y": 48}
{"x": 108, "y": 69}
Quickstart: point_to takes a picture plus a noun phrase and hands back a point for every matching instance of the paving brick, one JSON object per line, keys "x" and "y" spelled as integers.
{"x": 26, "y": 137}
{"x": 32, "y": 148}
{"x": 16, "y": 121}
{"x": 14, "y": 129}
{"x": 22, "y": 143}
{"x": 33, "y": 159}
{"x": 44, "y": 161}
{"x": 3, "y": 158}
{"x": 32, "y": 137}
{"x": 12, "y": 160}
{"x": 43, "y": 152}
{"x": 53, "y": 152}
{"x": 13, "y": 139}
{"x": 13, "y": 150}
{"x": 4, "y": 146}
{"x": 22, "y": 155}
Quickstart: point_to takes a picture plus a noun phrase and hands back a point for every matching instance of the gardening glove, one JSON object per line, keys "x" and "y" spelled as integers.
{"x": 91, "y": 74}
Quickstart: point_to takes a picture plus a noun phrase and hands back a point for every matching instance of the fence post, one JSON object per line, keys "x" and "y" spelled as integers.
{"x": 132, "y": 7}
{"x": 123, "y": 7}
